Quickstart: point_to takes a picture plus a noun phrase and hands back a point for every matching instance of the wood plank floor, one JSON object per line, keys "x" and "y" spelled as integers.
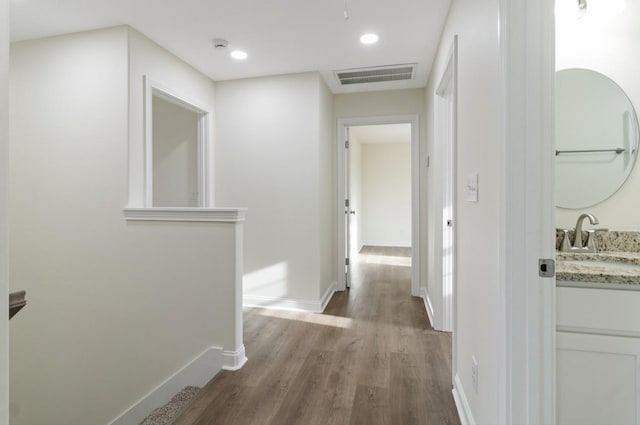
{"x": 371, "y": 358}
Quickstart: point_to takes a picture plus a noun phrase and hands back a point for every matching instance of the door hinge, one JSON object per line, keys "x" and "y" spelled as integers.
{"x": 346, "y": 144}
{"x": 346, "y": 203}
{"x": 546, "y": 267}
{"x": 346, "y": 261}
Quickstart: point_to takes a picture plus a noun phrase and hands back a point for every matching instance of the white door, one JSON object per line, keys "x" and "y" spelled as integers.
{"x": 446, "y": 123}
{"x": 448, "y": 240}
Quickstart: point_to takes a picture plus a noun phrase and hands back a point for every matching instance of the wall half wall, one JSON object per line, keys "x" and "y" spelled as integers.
{"x": 107, "y": 297}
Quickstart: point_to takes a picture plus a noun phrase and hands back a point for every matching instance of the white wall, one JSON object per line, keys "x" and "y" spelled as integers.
{"x": 4, "y": 236}
{"x": 115, "y": 307}
{"x": 478, "y": 310}
{"x": 146, "y": 58}
{"x": 175, "y": 155}
{"x": 386, "y": 194}
{"x": 388, "y": 102}
{"x": 273, "y": 157}
{"x": 606, "y": 44}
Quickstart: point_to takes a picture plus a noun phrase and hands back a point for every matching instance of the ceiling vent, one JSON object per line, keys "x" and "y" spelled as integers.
{"x": 378, "y": 74}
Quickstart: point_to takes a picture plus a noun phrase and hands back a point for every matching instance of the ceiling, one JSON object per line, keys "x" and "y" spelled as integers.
{"x": 385, "y": 133}
{"x": 280, "y": 36}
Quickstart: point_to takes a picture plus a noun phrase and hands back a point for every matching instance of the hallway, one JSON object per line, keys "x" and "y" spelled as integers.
{"x": 370, "y": 358}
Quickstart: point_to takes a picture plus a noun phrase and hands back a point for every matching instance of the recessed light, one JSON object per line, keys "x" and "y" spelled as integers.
{"x": 369, "y": 38}
{"x": 239, "y": 55}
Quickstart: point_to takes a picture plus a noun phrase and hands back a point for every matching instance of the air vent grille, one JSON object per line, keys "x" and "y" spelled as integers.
{"x": 376, "y": 75}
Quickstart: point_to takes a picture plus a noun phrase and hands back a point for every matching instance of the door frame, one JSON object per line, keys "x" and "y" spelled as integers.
{"x": 342, "y": 124}
{"x": 445, "y": 319}
{"x": 527, "y": 211}
{"x": 153, "y": 88}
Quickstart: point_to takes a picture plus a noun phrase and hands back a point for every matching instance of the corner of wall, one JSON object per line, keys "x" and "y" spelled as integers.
{"x": 4, "y": 238}
{"x": 234, "y": 360}
{"x": 327, "y": 190}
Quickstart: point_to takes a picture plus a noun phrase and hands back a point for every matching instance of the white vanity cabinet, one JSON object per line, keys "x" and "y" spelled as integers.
{"x": 598, "y": 356}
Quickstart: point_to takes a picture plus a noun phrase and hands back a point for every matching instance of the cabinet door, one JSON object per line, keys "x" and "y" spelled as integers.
{"x": 598, "y": 379}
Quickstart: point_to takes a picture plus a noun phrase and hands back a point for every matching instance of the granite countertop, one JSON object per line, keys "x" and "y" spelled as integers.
{"x": 594, "y": 274}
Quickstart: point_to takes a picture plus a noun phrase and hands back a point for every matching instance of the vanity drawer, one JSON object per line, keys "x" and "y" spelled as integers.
{"x": 602, "y": 311}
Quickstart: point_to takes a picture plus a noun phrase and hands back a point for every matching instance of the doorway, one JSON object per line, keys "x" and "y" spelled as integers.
{"x": 379, "y": 189}
{"x": 345, "y": 201}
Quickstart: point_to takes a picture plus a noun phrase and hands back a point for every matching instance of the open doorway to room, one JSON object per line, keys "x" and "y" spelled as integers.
{"x": 378, "y": 193}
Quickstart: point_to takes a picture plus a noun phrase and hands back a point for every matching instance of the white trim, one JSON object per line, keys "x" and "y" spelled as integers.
{"x": 610, "y": 286}
{"x": 219, "y": 215}
{"x": 234, "y": 360}
{"x": 204, "y": 170}
{"x": 4, "y": 210}
{"x": 427, "y": 304}
{"x": 155, "y": 88}
{"x": 278, "y": 303}
{"x": 344, "y": 123}
{"x": 196, "y": 373}
{"x": 598, "y": 331}
{"x": 328, "y": 294}
{"x": 527, "y": 212}
{"x": 404, "y": 244}
{"x": 462, "y": 404}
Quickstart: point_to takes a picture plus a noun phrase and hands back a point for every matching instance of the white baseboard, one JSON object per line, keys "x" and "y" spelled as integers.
{"x": 427, "y": 305}
{"x": 404, "y": 244}
{"x": 196, "y": 373}
{"x": 328, "y": 294}
{"x": 276, "y": 303}
{"x": 234, "y": 360}
{"x": 462, "y": 404}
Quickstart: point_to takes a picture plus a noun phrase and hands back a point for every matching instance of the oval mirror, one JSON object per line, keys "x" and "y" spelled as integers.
{"x": 596, "y": 138}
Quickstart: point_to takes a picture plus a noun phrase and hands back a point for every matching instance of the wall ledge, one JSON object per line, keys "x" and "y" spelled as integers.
{"x": 216, "y": 215}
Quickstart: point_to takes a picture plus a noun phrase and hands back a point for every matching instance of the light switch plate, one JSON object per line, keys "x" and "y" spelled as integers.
{"x": 472, "y": 187}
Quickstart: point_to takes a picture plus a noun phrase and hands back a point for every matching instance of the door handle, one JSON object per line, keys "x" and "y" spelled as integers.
{"x": 353, "y": 212}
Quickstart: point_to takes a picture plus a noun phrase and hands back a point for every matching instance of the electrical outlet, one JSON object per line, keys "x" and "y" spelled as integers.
{"x": 474, "y": 373}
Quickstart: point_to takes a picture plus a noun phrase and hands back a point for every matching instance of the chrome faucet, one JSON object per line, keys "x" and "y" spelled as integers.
{"x": 578, "y": 245}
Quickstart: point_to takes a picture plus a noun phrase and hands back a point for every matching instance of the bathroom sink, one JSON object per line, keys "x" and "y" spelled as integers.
{"x": 604, "y": 264}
